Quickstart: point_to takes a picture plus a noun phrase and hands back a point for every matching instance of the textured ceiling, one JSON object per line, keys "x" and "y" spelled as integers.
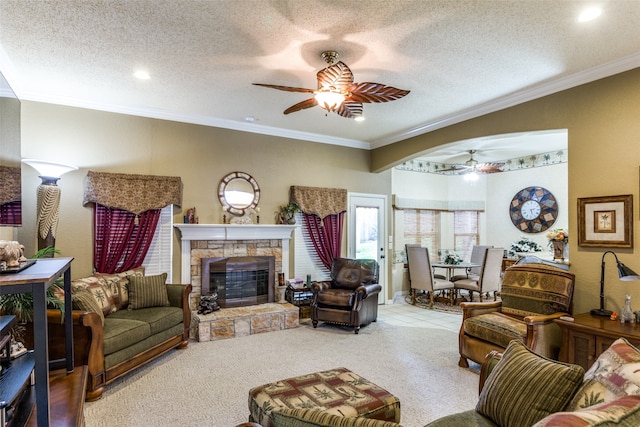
{"x": 459, "y": 58}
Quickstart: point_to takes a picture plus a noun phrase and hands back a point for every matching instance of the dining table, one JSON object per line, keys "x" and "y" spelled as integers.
{"x": 450, "y": 268}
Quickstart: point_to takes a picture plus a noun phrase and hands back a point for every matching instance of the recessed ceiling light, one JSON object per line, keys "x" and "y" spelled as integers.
{"x": 589, "y": 14}
{"x": 250, "y": 119}
{"x": 142, "y": 75}
{"x": 359, "y": 119}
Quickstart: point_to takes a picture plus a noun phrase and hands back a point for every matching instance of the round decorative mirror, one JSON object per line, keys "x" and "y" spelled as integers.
{"x": 238, "y": 191}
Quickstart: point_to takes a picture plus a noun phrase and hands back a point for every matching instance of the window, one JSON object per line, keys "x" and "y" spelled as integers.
{"x": 422, "y": 227}
{"x": 307, "y": 259}
{"x": 466, "y": 233}
{"x": 158, "y": 259}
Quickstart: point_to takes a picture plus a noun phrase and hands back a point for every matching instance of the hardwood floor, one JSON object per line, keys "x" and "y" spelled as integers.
{"x": 66, "y": 398}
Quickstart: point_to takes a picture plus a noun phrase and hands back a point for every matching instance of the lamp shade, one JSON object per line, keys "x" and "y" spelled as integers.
{"x": 49, "y": 169}
{"x": 626, "y": 274}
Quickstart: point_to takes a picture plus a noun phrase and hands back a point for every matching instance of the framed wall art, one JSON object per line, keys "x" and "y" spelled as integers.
{"x": 606, "y": 221}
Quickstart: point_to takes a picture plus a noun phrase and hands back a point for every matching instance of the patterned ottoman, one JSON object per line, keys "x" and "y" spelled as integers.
{"x": 338, "y": 391}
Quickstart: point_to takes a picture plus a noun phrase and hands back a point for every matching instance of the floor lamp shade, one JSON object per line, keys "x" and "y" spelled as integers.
{"x": 48, "y": 202}
{"x": 624, "y": 273}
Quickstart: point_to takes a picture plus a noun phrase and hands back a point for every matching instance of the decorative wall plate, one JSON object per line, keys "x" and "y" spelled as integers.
{"x": 533, "y": 210}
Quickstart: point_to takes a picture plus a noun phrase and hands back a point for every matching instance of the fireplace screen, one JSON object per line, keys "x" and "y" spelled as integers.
{"x": 239, "y": 281}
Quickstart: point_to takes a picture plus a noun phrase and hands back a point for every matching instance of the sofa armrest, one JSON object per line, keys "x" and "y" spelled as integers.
{"x": 471, "y": 309}
{"x": 541, "y": 319}
{"x": 179, "y": 297}
{"x": 88, "y": 341}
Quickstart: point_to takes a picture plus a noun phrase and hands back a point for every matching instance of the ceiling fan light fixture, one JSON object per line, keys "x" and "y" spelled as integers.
{"x": 471, "y": 176}
{"x": 328, "y": 99}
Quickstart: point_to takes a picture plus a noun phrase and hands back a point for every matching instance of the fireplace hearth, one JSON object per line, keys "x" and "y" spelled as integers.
{"x": 239, "y": 281}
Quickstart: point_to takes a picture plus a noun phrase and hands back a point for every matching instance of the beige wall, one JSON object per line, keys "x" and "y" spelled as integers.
{"x": 200, "y": 155}
{"x": 604, "y": 157}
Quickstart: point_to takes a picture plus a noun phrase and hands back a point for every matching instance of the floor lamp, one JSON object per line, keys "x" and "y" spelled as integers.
{"x": 48, "y": 199}
{"x": 624, "y": 273}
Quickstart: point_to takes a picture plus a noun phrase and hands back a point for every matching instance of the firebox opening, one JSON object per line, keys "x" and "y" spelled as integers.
{"x": 239, "y": 281}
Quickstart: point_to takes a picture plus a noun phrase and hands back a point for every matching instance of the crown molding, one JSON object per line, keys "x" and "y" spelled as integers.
{"x": 605, "y": 70}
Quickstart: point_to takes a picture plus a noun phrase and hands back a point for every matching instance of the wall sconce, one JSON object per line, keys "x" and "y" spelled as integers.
{"x": 624, "y": 273}
{"x": 48, "y": 199}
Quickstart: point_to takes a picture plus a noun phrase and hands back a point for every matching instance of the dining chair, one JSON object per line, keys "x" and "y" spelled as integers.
{"x": 478, "y": 253}
{"x": 489, "y": 279}
{"x": 421, "y": 275}
{"x": 417, "y": 245}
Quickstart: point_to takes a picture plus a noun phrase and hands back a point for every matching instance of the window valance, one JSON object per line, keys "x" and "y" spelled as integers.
{"x": 133, "y": 193}
{"x": 320, "y": 201}
{"x": 10, "y": 188}
{"x": 438, "y": 205}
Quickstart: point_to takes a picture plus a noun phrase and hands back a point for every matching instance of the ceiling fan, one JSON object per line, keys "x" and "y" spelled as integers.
{"x": 338, "y": 93}
{"x": 472, "y": 165}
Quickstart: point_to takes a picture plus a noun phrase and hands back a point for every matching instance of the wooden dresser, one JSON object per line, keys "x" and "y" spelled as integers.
{"x": 587, "y": 336}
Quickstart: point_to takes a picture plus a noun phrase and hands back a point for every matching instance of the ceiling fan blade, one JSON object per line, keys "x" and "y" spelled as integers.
{"x": 286, "y": 88}
{"x": 375, "y": 92}
{"x": 337, "y": 76}
{"x": 454, "y": 168}
{"x": 489, "y": 167}
{"x": 307, "y": 103}
{"x": 350, "y": 109}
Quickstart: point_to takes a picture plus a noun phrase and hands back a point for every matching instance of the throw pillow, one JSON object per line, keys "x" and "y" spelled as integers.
{"x": 123, "y": 284}
{"x": 613, "y": 375}
{"x": 524, "y": 387}
{"x": 148, "y": 291}
{"x": 83, "y": 300}
{"x": 318, "y": 418}
{"x": 100, "y": 290}
{"x": 624, "y": 412}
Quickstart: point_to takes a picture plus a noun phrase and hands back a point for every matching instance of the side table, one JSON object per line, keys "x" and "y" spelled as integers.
{"x": 300, "y": 297}
{"x": 587, "y": 337}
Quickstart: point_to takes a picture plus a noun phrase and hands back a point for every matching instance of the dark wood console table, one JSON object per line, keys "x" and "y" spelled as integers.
{"x": 587, "y": 337}
{"x": 37, "y": 279}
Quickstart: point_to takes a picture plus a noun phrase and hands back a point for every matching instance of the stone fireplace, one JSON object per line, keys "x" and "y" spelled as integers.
{"x": 220, "y": 241}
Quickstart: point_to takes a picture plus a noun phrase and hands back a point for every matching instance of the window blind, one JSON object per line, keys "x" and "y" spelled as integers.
{"x": 423, "y": 227}
{"x": 158, "y": 259}
{"x": 466, "y": 233}
{"x": 306, "y": 257}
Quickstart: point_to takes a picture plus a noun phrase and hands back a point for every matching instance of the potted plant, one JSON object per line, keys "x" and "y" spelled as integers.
{"x": 286, "y": 213}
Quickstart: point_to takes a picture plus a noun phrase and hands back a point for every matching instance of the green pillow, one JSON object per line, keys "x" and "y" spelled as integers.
{"x": 148, "y": 291}
{"x": 524, "y": 387}
{"x": 84, "y": 300}
{"x": 318, "y": 418}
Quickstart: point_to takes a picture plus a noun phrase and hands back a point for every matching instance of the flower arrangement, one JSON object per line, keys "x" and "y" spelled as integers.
{"x": 452, "y": 258}
{"x": 524, "y": 245}
{"x": 557, "y": 235}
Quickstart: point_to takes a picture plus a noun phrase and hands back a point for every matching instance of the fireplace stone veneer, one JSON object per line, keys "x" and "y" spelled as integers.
{"x": 199, "y": 241}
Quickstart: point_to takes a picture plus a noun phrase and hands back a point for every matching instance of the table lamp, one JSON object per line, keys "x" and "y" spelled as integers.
{"x": 624, "y": 273}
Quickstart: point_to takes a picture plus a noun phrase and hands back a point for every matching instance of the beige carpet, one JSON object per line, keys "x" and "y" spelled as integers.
{"x": 207, "y": 384}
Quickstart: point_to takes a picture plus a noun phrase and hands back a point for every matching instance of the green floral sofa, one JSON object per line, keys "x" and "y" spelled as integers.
{"x": 521, "y": 388}
{"x": 120, "y": 322}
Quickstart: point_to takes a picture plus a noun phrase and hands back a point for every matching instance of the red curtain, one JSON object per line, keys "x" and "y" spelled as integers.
{"x": 326, "y": 236}
{"x": 11, "y": 213}
{"x": 122, "y": 239}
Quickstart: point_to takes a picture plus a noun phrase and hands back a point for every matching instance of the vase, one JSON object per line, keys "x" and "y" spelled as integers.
{"x": 558, "y": 249}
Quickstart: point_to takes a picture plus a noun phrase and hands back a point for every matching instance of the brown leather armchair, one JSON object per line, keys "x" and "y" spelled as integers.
{"x": 533, "y": 295}
{"x": 350, "y": 297}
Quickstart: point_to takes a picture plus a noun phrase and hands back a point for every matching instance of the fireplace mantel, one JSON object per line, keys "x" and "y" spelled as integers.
{"x": 191, "y": 232}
